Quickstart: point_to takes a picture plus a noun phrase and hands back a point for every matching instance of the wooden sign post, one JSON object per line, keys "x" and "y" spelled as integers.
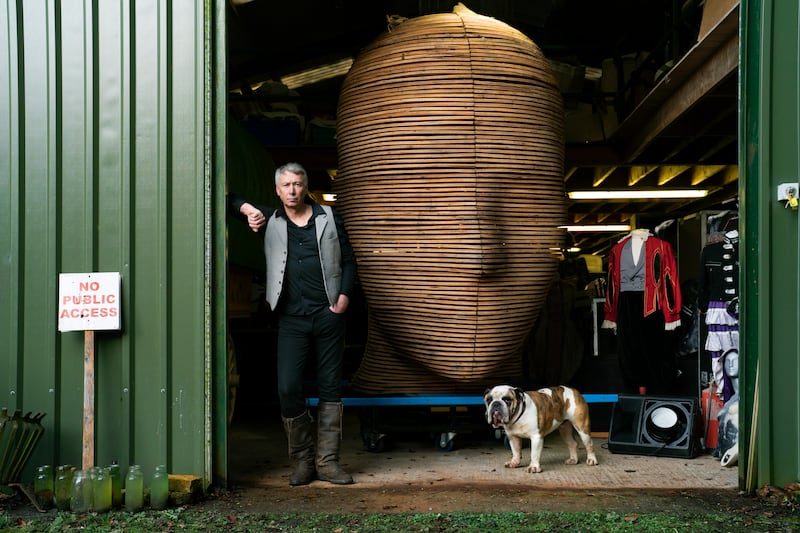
{"x": 87, "y": 457}
{"x": 89, "y": 302}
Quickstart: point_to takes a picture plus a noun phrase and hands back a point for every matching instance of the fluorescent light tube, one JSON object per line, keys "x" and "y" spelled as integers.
{"x": 598, "y": 227}
{"x": 655, "y": 194}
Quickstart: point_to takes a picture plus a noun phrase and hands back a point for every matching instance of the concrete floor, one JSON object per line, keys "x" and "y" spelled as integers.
{"x": 258, "y": 458}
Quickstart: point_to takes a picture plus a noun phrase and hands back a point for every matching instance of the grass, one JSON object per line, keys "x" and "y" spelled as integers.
{"x": 189, "y": 519}
{"x": 774, "y": 510}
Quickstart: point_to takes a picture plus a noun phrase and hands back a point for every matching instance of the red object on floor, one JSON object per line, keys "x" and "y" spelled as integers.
{"x": 711, "y": 405}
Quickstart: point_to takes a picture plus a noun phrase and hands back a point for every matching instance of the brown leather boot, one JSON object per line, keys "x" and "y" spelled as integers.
{"x": 329, "y": 436}
{"x": 301, "y": 448}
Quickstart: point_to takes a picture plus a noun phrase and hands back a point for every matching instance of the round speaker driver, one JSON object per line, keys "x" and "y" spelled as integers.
{"x": 664, "y": 417}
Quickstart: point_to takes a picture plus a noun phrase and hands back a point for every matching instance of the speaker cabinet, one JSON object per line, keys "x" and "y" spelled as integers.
{"x": 647, "y": 425}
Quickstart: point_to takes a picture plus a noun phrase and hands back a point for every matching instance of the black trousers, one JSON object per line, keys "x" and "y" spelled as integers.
{"x": 646, "y": 351}
{"x": 319, "y": 336}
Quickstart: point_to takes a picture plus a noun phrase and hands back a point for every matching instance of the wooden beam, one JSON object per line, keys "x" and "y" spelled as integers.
{"x": 639, "y": 172}
{"x": 600, "y": 175}
{"x": 707, "y": 76}
{"x": 730, "y": 174}
{"x": 668, "y": 173}
{"x": 705, "y": 66}
{"x": 723, "y": 143}
{"x": 701, "y": 173}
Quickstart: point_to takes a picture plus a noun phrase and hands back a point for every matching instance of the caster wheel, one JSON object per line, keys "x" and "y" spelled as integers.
{"x": 375, "y": 442}
{"x": 377, "y": 445}
{"x": 445, "y": 442}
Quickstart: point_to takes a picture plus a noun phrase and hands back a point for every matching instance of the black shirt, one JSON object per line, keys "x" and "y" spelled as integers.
{"x": 304, "y": 290}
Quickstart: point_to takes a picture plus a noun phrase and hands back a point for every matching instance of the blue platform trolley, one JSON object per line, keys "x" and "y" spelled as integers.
{"x": 442, "y": 416}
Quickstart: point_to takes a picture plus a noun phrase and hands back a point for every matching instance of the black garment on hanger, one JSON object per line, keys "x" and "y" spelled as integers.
{"x": 646, "y": 350}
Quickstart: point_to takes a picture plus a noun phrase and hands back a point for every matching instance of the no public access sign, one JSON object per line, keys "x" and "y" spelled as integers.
{"x": 89, "y": 301}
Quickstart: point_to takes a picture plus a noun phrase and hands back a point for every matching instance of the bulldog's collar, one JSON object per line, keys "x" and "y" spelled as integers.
{"x": 521, "y": 411}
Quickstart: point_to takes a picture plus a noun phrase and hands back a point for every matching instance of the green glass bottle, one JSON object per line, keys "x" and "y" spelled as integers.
{"x": 159, "y": 488}
{"x": 134, "y": 489}
{"x": 63, "y": 487}
{"x": 43, "y": 486}
{"x": 81, "y": 497}
{"x": 116, "y": 485}
{"x": 101, "y": 487}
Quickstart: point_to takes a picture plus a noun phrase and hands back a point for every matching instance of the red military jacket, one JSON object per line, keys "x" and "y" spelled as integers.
{"x": 661, "y": 287}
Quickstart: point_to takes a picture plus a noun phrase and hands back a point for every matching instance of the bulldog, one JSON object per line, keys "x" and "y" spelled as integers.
{"x": 535, "y": 414}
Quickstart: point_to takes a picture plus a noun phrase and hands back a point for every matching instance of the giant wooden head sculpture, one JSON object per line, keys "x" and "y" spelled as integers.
{"x": 450, "y": 180}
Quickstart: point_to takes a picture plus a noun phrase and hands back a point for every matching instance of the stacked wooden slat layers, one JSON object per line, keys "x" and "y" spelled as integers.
{"x": 450, "y": 180}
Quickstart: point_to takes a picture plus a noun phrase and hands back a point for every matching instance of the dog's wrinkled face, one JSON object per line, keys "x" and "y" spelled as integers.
{"x": 502, "y": 402}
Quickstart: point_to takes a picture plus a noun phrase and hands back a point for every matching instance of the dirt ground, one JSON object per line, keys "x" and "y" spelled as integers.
{"x": 486, "y": 497}
{"x": 482, "y": 497}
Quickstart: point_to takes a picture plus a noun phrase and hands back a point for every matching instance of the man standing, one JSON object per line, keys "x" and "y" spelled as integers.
{"x": 310, "y": 275}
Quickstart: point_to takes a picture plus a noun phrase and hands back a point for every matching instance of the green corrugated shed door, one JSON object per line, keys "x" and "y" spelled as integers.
{"x": 770, "y": 278}
{"x": 106, "y": 164}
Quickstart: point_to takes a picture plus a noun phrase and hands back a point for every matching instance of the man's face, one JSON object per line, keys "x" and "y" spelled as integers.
{"x": 291, "y": 189}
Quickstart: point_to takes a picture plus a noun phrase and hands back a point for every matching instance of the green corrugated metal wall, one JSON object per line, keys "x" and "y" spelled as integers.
{"x": 770, "y": 155}
{"x": 104, "y": 166}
